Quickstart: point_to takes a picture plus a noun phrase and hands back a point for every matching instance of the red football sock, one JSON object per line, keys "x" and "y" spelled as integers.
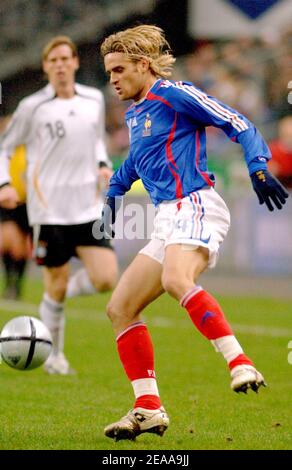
{"x": 150, "y": 402}
{"x": 137, "y": 356}
{"x": 239, "y": 360}
{"x": 207, "y": 316}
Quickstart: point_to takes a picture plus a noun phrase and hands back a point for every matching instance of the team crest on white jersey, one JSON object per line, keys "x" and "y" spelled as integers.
{"x": 147, "y": 126}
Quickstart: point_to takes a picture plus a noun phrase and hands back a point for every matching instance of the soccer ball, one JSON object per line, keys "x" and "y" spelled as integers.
{"x": 25, "y": 343}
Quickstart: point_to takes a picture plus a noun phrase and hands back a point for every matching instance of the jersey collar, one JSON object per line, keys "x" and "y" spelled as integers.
{"x": 151, "y": 89}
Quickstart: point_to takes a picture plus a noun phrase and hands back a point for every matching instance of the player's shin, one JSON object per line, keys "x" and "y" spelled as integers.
{"x": 208, "y": 317}
{"x": 52, "y": 314}
{"x": 136, "y": 353}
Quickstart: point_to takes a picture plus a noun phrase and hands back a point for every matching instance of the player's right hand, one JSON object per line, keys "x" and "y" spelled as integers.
{"x": 108, "y": 216}
{"x": 9, "y": 198}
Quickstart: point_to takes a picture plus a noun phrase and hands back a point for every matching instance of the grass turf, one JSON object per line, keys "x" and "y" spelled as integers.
{"x": 53, "y": 412}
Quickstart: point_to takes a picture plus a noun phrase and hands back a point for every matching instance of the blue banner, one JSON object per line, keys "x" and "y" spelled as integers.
{"x": 253, "y": 8}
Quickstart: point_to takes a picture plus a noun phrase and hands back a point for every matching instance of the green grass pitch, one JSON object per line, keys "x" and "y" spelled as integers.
{"x": 53, "y": 412}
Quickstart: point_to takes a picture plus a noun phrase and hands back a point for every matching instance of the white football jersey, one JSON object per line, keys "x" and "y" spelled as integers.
{"x": 65, "y": 141}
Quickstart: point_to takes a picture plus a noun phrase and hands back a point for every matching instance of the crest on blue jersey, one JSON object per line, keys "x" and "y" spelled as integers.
{"x": 147, "y": 126}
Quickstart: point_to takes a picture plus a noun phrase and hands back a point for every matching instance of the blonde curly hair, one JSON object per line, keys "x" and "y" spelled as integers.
{"x": 144, "y": 41}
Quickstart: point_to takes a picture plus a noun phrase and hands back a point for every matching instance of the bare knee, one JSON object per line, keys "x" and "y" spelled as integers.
{"x": 16, "y": 248}
{"x": 106, "y": 283}
{"x": 172, "y": 285}
{"x": 112, "y": 312}
{"x": 120, "y": 315}
{"x": 116, "y": 312}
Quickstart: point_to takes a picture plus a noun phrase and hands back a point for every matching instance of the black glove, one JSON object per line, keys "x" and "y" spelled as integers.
{"x": 268, "y": 189}
{"x": 108, "y": 215}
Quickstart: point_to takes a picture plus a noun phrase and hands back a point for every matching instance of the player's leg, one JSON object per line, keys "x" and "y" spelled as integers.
{"x": 139, "y": 286}
{"x": 52, "y": 251}
{"x": 14, "y": 249}
{"x": 200, "y": 224}
{"x": 182, "y": 267}
{"x": 99, "y": 274}
{"x": 55, "y": 281}
{"x": 52, "y": 314}
{"x": 100, "y": 263}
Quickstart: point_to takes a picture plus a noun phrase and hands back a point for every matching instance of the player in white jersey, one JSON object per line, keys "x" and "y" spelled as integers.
{"x": 62, "y": 126}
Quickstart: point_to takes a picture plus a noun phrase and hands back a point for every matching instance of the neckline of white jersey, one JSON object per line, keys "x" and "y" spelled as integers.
{"x": 67, "y": 99}
{"x": 136, "y": 103}
{"x": 55, "y": 96}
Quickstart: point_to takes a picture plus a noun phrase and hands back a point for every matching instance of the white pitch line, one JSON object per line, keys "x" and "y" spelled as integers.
{"x": 26, "y": 308}
{"x": 260, "y": 330}
{"x": 257, "y": 330}
{"x": 18, "y": 307}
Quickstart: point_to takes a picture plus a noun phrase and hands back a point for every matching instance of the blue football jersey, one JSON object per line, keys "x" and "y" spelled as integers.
{"x": 167, "y": 132}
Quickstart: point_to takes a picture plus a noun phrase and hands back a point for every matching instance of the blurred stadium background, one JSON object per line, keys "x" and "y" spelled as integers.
{"x": 241, "y": 52}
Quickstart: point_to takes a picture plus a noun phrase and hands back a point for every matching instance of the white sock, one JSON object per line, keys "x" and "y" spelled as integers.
{"x": 80, "y": 284}
{"x": 52, "y": 314}
{"x": 145, "y": 387}
{"x": 228, "y": 346}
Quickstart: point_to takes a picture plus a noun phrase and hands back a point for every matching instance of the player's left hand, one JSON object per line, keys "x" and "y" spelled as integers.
{"x": 269, "y": 189}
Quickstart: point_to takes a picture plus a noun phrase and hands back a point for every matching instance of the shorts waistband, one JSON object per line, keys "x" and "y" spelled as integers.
{"x": 175, "y": 201}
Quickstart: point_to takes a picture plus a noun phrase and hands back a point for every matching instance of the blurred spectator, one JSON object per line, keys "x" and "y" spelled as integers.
{"x": 238, "y": 91}
{"x": 281, "y": 148}
{"x": 15, "y": 233}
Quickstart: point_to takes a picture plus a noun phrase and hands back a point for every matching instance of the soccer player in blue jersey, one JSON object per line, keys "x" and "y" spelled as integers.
{"x": 167, "y": 122}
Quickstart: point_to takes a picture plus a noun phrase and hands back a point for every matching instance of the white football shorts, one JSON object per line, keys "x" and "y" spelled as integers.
{"x": 200, "y": 219}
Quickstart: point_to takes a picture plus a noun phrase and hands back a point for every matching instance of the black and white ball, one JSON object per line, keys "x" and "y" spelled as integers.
{"x": 25, "y": 343}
